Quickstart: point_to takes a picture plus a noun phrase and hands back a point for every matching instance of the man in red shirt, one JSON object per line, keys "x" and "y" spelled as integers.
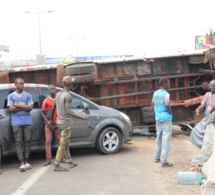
{"x": 50, "y": 129}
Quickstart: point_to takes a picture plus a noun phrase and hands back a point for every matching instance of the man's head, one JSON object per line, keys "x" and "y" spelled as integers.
{"x": 212, "y": 86}
{"x": 68, "y": 81}
{"x": 52, "y": 90}
{"x": 164, "y": 82}
{"x": 19, "y": 83}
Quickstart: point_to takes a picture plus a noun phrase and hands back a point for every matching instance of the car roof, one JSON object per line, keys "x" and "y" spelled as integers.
{"x": 11, "y": 85}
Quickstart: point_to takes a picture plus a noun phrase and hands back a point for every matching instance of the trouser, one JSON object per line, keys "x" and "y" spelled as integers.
{"x": 63, "y": 148}
{"x": 164, "y": 133}
{"x": 22, "y": 136}
{"x": 49, "y": 135}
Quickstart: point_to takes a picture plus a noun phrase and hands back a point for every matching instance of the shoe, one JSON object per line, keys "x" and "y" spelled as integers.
{"x": 72, "y": 165}
{"x": 157, "y": 160}
{"x": 22, "y": 168}
{"x": 28, "y": 166}
{"x": 48, "y": 162}
{"x": 59, "y": 168}
{"x": 167, "y": 165}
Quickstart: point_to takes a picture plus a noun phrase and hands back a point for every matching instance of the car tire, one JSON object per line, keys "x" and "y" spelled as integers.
{"x": 81, "y": 69}
{"x": 109, "y": 141}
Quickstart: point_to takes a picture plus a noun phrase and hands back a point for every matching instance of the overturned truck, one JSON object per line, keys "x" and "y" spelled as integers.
{"x": 128, "y": 84}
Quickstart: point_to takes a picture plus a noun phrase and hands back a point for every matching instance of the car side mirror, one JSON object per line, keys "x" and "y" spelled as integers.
{"x": 86, "y": 107}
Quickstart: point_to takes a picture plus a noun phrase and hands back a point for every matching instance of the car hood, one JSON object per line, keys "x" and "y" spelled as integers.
{"x": 110, "y": 111}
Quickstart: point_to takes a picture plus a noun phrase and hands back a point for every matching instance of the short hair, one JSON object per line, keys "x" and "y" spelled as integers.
{"x": 163, "y": 80}
{"x": 51, "y": 85}
{"x": 18, "y": 79}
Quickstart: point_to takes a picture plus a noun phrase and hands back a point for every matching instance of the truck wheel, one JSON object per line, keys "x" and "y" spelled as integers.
{"x": 109, "y": 141}
{"x": 80, "y": 69}
{"x": 85, "y": 78}
{"x": 152, "y": 129}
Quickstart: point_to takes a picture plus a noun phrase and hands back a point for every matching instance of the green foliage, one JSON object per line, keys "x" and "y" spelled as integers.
{"x": 211, "y": 32}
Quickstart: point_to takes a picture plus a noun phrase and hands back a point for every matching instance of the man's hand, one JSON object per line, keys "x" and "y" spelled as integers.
{"x": 85, "y": 117}
{"x": 197, "y": 111}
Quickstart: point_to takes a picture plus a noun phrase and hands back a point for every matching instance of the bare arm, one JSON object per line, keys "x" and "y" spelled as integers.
{"x": 168, "y": 104}
{"x": 14, "y": 109}
{"x": 53, "y": 111}
{"x": 169, "y": 108}
{"x": 24, "y": 107}
{"x": 44, "y": 116}
{"x": 68, "y": 105}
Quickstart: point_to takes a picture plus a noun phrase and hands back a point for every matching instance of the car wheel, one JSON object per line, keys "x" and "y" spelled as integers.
{"x": 109, "y": 141}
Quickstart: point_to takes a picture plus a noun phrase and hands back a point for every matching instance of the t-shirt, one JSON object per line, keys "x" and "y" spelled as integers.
{"x": 160, "y": 98}
{"x": 21, "y": 117}
{"x": 47, "y": 105}
{"x": 208, "y": 102}
{"x": 63, "y": 118}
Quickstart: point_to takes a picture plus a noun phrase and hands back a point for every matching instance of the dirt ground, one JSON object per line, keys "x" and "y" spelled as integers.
{"x": 131, "y": 171}
{"x": 181, "y": 153}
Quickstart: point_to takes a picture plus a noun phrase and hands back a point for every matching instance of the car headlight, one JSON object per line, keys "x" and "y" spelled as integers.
{"x": 125, "y": 117}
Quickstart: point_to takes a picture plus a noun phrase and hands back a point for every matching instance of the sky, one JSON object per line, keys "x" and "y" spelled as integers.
{"x": 102, "y": 27}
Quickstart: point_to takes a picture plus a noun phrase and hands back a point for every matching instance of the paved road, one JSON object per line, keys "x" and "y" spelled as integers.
{"x": 131, "y": 171}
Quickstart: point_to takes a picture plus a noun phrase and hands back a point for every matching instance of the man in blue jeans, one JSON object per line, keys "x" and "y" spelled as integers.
{"x": 163, "y": 117}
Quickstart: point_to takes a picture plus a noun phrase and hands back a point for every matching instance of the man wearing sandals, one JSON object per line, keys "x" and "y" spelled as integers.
{"x": 163, "y": 117}
{"x": 20, "y": 104}
{"x": 63, "y": 104}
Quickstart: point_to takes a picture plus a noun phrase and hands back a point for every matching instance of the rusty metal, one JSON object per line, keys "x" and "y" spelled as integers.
{"x": 128, "y": 84}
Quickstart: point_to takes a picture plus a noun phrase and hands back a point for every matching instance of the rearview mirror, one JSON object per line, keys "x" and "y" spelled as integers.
{"x": 86, "y": 107}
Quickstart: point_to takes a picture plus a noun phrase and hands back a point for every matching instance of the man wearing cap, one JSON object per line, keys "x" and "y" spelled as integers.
{"x": 63, "y": 104}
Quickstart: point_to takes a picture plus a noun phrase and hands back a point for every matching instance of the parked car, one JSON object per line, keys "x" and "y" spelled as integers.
{"x": 106, "y": 130}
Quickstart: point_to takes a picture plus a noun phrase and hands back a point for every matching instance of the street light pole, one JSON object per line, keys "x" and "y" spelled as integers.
{"x": 38, "y": 13}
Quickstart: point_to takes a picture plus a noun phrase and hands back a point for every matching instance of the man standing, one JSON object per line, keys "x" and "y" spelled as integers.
{"x": 20, "y": 104}
{"x": 63, "y": 104}
{"x": 208, "y": 106}
{"x": 50, "y": 128}
{"x": 163, "y": 117}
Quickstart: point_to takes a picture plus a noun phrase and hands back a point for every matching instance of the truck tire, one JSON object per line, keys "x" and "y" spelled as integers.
{"x": 148, "y": 115}
{"x": 109, "y": 141}
{"x": 80, "y": 69}
{"x": 84, "y": 79}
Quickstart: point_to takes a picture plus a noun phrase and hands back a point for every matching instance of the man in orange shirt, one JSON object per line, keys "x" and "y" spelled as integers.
{"x": 50, "y": 129}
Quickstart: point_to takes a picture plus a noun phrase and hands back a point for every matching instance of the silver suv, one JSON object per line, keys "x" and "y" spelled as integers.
{"x": 107, "y": 129}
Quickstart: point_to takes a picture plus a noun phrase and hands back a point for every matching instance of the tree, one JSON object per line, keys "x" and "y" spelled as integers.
{"x": 211, "y": 32}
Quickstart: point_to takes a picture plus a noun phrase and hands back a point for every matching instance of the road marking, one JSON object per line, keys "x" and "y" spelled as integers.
{"x": 28, "y": 183}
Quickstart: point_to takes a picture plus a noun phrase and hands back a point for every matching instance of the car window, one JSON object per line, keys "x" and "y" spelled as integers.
{"x": 3, "y": 99}
{"x": 76, "y": 103}
{"x": 34, "y": 97}
{"x": 44, "y": 94}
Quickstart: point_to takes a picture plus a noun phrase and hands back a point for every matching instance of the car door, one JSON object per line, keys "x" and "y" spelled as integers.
{"x": 7, "y": 138}
{"x": 38, "y": 133}
{"x": 80, "y": 127}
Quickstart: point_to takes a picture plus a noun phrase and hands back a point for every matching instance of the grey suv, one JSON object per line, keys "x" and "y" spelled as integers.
{"x": 107, "y": 129}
